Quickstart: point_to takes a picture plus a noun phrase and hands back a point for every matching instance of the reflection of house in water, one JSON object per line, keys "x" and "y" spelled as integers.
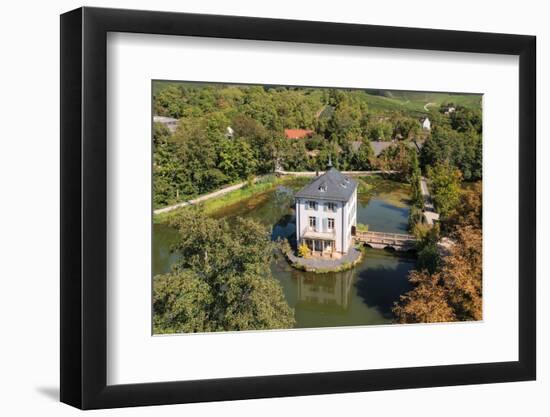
{"x": 325, "y": 290}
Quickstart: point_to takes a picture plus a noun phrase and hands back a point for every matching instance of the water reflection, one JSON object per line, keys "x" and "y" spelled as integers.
{"x": 363, "y": 295}
{"x": 325, "y": 291}
{"x": 383, "y": 280}
{"x": 382, "y": 216}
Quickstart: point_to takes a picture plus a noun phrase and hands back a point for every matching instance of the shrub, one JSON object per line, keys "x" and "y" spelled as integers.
{"x": 303, "y": 250}
{"x": 415, "y": 218}
{"x": 285, "y": 246}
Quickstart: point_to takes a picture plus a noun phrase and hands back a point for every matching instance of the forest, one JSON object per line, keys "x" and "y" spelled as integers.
{"x": 229, "y": 133}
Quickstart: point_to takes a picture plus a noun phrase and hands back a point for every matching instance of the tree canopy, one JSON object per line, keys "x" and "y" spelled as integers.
{"x": 448, "y": 288}
{"x": 223, "y": 280}
{"x": 203, "y": 155}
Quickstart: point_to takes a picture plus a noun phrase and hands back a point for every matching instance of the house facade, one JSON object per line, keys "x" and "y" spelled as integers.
{"x": 426, "y": 124}
{"x": 326, "y": 214}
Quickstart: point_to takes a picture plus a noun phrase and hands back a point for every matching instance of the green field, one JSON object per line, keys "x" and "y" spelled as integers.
{"x": 382, "y": 100}
{"x": 414, "y": 101}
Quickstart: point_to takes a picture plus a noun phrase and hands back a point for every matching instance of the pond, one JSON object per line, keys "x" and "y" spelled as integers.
{"x": 363, "y": 295}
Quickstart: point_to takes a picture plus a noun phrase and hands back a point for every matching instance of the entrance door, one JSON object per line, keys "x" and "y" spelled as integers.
{"x": 318, "y": 245}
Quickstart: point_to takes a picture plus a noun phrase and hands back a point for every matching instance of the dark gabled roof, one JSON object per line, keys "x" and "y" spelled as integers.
{"x": 332, "y": 185}
{"x": 378, "y": 146}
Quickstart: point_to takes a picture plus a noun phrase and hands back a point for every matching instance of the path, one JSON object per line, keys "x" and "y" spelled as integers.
{"x": 234, "y": 187}
{"x": 429, "y": 210}
{"x": 426, "y": 106}
{"x": 203, "y": 197}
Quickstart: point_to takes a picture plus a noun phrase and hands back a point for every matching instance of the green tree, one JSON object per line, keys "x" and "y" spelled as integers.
{"x": 445, "y": 187}
{"x": 361, "y": 159}
{"x": 407, "y": 127}
{"x": 461, "y": 148}
{"x": 180, "y": 303}
{"x": 380, "y": 130}
{"x": 469, "y": 210}
{"x": 227, "y": 267}
{"x": 415, "y": 175}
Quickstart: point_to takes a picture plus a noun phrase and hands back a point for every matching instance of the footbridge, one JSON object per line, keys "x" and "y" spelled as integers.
{"x": 381, "y": 240}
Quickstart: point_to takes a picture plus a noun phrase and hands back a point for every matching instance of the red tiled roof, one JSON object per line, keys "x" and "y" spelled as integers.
{"x": 298, "y": 133}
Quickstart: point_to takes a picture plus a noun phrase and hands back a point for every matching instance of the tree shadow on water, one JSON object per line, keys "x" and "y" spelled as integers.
{"x": 379, "y": 286}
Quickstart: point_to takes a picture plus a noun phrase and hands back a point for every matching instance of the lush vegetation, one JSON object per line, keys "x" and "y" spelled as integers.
{"x": 228, "y": 134}
{"x": 222, "y": 280}
{"x": 448, "y": 288}
{"x": 262, "y": 184}
{"x": 456, "y": 140}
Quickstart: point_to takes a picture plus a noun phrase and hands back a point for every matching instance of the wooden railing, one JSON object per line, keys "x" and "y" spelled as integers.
{"x": 383, "y": 238}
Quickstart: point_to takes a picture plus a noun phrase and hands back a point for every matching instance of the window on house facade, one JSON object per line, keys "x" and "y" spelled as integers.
{"x": 312, "y": 205}
{"x": 330, "y": 224}
{"x": 312, "y": 221}
{"x": 330, "y": 206}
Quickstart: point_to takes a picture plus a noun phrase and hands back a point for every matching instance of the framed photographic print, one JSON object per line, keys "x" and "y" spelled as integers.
{"x": 258, "y": 208}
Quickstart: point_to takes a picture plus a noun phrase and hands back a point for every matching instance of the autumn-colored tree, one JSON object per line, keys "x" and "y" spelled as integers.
{"x": 395, "y": 158}
{"x": 427, "y": 303}
{"x": 462, "y": 274}
{"x": 468, "y": 212}
{"x": 452, "y": 293}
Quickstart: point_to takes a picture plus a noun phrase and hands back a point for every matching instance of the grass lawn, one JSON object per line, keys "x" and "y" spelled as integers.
{"x": 415, "y": 101}
{"x": 216, "y": 203}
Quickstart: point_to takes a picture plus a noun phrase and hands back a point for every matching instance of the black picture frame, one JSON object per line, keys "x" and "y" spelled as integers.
{"x": 84, "y": 207}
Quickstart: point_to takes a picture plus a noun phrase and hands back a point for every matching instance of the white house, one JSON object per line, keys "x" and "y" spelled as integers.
{"x": 229, "y": 132}
{"x": 326, "y": 214}
{"x": 426, "y": 124}
{"x": 448, "y": 110}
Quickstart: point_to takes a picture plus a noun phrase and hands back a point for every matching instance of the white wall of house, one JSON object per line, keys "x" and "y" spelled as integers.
{"x": 349, "y": 220}
{"x": 344, "y": 216}
{"x": 426, "y": 124}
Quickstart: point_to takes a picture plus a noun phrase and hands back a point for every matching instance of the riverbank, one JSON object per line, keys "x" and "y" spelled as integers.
{"x": 359, "y": 294}
{"x": 213, "y": 202}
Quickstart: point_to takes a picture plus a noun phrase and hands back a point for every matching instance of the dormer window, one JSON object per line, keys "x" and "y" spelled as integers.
{"x": 323, "y": 188}
{"x": 311, "y": 205}
{"x": 344, "y": 184}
